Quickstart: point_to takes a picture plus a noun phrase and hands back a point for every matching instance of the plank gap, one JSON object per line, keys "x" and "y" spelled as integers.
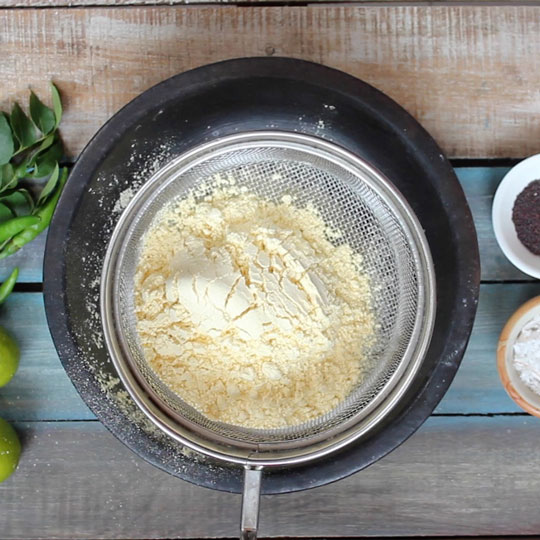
{"x": 507, "y": 281}
{"x": 69, "y": 162}
{"x": 478, "y": 415}
{"x": 60, "y": 421}
{"x": 484, "y": 162}
{"x": 28, "y": 287}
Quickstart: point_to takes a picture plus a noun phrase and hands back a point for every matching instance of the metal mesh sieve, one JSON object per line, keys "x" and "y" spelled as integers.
{"x": 375, "y": 222}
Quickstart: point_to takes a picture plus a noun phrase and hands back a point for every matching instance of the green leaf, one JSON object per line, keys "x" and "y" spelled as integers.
{"x": 24, "y": 130}
{"x": 45, "y": 143}
{"x": 6, "y": 140}
{"x": 30, "y": 205}
{"x": 19, "y": 201}
{"x": 21, "y": 170}
{"x": 5, "y": 213}
{"x": 42, "y": 116}
{"x": 8, "y": 178}
{"x": 57, "y": 105}
{"x": 6, "y": 173}
{"x": 49, "y": 186}
{"x": 46, "y": 162}
{"x": 44, "y": 167}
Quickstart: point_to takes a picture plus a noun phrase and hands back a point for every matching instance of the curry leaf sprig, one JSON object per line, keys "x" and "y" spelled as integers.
{"x": 30, "y": 149}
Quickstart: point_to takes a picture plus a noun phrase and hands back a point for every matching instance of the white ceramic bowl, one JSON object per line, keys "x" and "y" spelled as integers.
{"x": 510, "y": 187}
{"x": 528, "y": 400}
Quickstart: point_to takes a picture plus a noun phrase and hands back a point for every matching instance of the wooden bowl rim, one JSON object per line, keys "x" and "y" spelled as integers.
{"x": 501, "y": 356}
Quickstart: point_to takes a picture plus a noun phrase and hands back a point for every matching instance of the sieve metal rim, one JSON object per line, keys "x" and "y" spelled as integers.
{"x": 290, "y": 452}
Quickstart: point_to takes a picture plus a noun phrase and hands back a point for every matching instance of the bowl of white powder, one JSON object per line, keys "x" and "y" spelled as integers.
{"x": 518, "y": 356}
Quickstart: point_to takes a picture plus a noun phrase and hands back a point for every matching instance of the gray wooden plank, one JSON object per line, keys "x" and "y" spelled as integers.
{"x": 456, "y": 476}
{"x": 82, "y": 3}
{"x": 42, "y": 391}
{"x": 479, "y": 184}
{"x": 467, "y": 72}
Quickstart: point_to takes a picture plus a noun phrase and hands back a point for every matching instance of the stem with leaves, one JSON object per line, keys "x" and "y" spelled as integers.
{"x": 30, "y": 149}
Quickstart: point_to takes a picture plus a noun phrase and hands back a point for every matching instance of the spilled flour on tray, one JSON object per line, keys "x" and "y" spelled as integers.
{"x": 248, "y": 311}
{"x": 124, "y": 199}
{"x": 105, "y": 186}
{"x": 91, "y": 365}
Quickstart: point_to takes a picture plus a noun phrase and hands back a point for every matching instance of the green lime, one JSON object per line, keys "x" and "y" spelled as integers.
{"x": 10, "y": 450}
{"x": 9, "y": 357}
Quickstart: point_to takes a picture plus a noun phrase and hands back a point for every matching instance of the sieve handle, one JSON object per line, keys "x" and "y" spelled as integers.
{"x": 250, "y": 503}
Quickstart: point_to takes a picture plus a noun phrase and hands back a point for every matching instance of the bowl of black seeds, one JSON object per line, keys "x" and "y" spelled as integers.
{"x": 526, "y": 216}
{"x": 516, "y": 216}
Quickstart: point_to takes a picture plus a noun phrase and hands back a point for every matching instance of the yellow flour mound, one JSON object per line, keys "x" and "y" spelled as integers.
{"x": 248, "y": 311}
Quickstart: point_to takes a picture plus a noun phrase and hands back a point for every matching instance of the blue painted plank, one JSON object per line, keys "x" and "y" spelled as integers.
{"x": 42, "y": 391}
{"x": 29, "y": 260}
{"x": 477, "y": 387}
{"x": 479, "y": 184}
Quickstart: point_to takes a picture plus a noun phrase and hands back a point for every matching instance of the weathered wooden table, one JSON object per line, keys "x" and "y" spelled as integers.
{"x": 471, "y": 75}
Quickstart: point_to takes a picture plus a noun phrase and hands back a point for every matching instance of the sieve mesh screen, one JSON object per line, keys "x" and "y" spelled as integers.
{"x": 369, "y": 222}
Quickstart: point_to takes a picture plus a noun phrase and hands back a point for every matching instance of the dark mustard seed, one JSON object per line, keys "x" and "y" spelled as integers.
{"x": 526, "y": 217}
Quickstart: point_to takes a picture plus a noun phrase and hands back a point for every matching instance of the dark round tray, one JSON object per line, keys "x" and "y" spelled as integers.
{"x": 214, "y": 101}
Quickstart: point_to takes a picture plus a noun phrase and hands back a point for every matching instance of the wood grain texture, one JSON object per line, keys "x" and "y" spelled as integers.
{"x": 83, "y": 3}
{"x": 479, "y": 184}
{"x": 456, "y": 476}
{"x": 41, "y": 389}
{"x": 467, "y": 73}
